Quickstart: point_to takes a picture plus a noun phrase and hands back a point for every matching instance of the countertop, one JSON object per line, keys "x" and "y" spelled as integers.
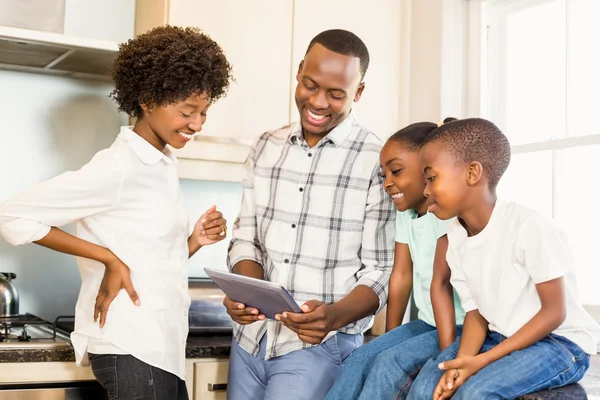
{"x": 197, "y": 347}
{"x": 219, "y": 345}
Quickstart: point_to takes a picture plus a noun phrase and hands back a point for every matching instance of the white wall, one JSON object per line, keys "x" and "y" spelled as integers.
{"x": 48, "y": 125}
{"x": 54, "y": 124}
{"x": 198, "y": 197}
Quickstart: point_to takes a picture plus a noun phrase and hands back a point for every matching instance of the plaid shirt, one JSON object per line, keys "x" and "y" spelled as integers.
{"x": 317, "y": 220}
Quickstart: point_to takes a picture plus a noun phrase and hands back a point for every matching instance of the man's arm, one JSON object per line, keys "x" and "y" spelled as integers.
{"x": 369, "y": 294}
{"x": 244, "y": 256}
{"x": 442, "y": 296}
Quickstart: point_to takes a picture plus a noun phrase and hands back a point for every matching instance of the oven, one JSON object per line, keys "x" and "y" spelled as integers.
{"x": 26, "y": 337}
{"x": 87, "y": 390}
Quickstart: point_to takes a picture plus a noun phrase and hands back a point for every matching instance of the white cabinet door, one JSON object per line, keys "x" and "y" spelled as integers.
{"x": 256, "y": 37}
{"x": 209, "y": 379}
{"x": 379, "y": 24}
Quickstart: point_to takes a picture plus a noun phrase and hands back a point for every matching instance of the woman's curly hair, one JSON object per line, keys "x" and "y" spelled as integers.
{"x": 168, "y": 64}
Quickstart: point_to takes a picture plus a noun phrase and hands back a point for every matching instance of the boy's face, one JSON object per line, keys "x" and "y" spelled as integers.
{"x": 446, "y": 181}
{"x": 403, "y": 177}
{"x": 328, "y": 84}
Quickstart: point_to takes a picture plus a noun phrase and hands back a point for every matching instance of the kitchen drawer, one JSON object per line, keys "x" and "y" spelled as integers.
{"x": 210, "y": 379}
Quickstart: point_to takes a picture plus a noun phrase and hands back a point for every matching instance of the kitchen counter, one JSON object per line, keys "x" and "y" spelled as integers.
{"x": 215, "y": 346}
{"x": 197, "y": 347}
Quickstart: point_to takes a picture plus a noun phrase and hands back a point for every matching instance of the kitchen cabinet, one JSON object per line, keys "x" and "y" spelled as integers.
{"x": 207, "y": 378}
{"x": 379, "y": 24}
{"x": 265, "y": 40}
{"x": 64, "y": 37}
{"x": 51, "y": 371}
{"x": 257, "y": 40}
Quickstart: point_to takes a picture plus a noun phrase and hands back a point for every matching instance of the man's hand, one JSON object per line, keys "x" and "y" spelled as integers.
{"x": 240, "y": 313}
{"x": 313, "y": 325}
{"x": 210, "y": 228}
{"x": 457, "y": 373}
{"x": 116, "y": 277}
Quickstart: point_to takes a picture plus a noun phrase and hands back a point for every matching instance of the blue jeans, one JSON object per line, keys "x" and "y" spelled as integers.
{"x": 305, "y": 374}
{"x": 552, "y": 362}
{"x": 386, "y": 367}
{"x": 124, "y": 377}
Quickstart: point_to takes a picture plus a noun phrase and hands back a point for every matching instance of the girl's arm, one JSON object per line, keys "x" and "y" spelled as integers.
{"x": 401, "y": 281}
{"x": 442, "y": 296}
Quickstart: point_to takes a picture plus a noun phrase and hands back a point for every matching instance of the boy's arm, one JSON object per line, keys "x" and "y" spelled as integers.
{"x": 401, "y": 281}
{"x": 442, "y": 296}
{"x": 545, "y": 254}
{"x": 467, "y": 363}
{"x": 473, "y": 335}
{"x": 550, "y": 316}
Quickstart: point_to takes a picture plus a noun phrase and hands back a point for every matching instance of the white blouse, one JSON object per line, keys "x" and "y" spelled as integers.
{"x": 128, "y": 199}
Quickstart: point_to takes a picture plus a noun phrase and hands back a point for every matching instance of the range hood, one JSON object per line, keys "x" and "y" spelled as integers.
{"x": 54, "y": 53}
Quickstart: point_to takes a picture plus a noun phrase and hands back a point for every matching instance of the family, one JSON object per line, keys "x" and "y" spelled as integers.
{"x": 346, "y": 223}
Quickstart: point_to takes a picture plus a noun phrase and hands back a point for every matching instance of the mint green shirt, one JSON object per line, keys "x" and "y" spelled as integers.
{"x": 421, "y": 235}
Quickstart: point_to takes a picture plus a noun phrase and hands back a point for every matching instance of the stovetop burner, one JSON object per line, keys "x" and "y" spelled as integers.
{"x": 29, "y": 331}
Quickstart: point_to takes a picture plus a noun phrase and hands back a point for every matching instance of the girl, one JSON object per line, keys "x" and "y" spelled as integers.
{"x": 131, "y": 230}
{"x": 385, "y": 367}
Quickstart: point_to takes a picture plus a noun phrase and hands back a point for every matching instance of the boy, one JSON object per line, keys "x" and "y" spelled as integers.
{"x": 524, "y": 329}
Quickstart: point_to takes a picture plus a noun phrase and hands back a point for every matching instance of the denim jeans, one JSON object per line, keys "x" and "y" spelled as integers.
{"x": 386, "y": 367}
{"x": 552, "y": 362}
{"x": 124, "y": 377}
{"x": 305, "y": 374}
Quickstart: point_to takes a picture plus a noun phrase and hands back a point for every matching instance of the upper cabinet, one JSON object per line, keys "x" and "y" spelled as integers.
{"x": 257, "y": 40}
{"x": 65, "y": 37}
{"x": 380, "y": 25}
{"x": 265, "y": 40}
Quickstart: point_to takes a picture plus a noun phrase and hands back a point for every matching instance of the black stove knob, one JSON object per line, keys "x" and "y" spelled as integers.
{"x": 24, "y": 336}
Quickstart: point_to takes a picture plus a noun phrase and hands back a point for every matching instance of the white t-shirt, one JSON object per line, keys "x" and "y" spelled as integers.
{"x": 127, "y": 198}
{"x": 496, "y": 272}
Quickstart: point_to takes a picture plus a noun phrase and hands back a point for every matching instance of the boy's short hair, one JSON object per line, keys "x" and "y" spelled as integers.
{"x": 343, "y": 42}
{"x": 475, "y": 139}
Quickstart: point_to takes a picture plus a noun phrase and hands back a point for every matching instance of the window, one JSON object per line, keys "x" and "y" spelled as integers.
{"x": 542, "y": 87}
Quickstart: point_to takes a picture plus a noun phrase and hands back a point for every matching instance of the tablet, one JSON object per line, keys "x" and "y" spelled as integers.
{"x": 268, "y": 297}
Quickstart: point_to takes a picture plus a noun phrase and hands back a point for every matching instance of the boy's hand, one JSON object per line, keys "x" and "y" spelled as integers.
{"x": 457, "y": 373}
{"x": 446, "y": 386}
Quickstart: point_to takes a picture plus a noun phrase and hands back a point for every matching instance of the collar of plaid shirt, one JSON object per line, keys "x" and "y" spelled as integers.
{"x": 317, "y": 220}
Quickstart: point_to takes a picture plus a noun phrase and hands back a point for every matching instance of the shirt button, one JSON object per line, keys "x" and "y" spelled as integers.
{"x": 287, "y": 261}
{"x": 301, "y": 189}
{"x": 185, "y": 313}
{"x": 293, "y": 225}
{"x": 310, "y": 154}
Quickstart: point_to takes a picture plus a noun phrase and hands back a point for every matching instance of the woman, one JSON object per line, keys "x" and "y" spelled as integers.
{"x": 131, "y": 229}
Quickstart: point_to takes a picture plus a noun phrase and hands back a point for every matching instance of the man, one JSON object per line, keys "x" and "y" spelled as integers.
{"x": 314, "y": 218}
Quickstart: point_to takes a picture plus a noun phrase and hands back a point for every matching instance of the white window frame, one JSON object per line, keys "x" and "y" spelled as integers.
{"x": 482, "y": 82}
{"x": 480, "y": 86}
